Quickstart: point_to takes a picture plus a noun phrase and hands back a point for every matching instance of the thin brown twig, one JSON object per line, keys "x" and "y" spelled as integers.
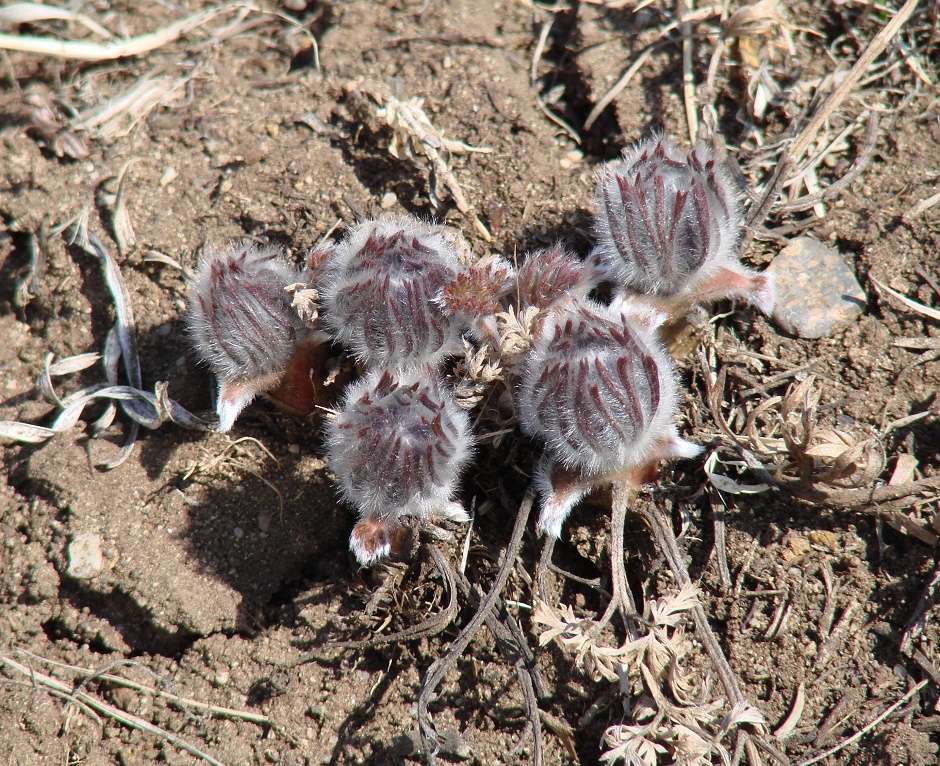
{"x": 56, "y": 687}
{"x": 623, "y": 599}
{"x": 871, "y": 725}
{"x": 667, "y": 543}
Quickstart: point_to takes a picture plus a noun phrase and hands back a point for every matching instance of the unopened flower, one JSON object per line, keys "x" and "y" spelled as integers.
{"x": 473, "y": 297}
{"x": 601, "y": 392}
{"x": 378, "y": 290}
{"x": 242, "y": 324}
{"x": 397, "y": 447}
{"x": 668, "y": 224}
{"x": 552, "y": 274}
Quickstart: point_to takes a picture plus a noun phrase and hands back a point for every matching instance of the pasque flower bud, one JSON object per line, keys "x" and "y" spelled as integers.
{"x": 601, "y": 392}
{"x": 242, "y": 324}
{"x": 668, "y": 224}
{"x": 552, "y": 274}
{"x": 378, "y": 290}
{"x": 397, "y": 447}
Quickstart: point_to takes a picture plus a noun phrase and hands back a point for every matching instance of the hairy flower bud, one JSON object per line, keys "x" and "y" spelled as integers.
{"x": 668, "y": 224}
{"x": 378, "y": 293}
{"x": 601, "y": 391}
{"x": 397, "y": 447}
{"x": 552, "y": 274}
{"x": 242, "y": 324}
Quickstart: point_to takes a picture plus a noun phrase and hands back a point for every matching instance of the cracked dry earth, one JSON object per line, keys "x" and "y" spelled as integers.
{"x": 224, "y": 571}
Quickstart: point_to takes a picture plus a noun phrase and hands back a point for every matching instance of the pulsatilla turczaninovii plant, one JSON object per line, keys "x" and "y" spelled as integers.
{"x": 242, "y": 324}
{"x": 601, "y": 392}
{"x": 378, "y": 289}
{"x": 397, "y": 447}
{"x": 668, "y": 223}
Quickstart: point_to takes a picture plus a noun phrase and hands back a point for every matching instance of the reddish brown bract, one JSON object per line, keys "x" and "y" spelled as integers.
{"x": 550, "y": 275}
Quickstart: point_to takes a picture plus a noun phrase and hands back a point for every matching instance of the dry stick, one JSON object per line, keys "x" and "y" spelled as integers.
{"x": 925, "y": 600}
{"x": 859, "y": 734}
{"x": 861, "y": 162}
{"x": 684, "y": 8}
{"x": 793, "y": 153}
{"x": 174, "y": 699}
{"x": 57, "y": 687}
{"x": 508, "y": 635}
{"x": 512, "y": 644}
{"x": 622, "y": 83}
{"x": 532, "y": 711}
{"x": 82, "y": 51}
{"x": 623, "y": 597}
{"x": 855, "y": 499}
{"x": 439, "y": 668}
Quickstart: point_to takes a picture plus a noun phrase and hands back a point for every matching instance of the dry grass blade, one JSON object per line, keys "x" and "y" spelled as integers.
{"x": 806, "y": 136}
{"x": 867, "y": 728}
{"x": 82, "y": 51}
{"x": 415, "y": 137}
{"x": 59, "y": 689}
{"x": 920, "y": 308}
{"x": 28, "y": 13}
{"x": 921, "y": 207}
{"x": 86, "y": 675}
{"x": 790, "y": 723}
{"x": 121, "y": 221}
{"x": 121, "y": 114}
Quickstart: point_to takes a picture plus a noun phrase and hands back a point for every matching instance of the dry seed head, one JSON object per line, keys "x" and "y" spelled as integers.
{"x": 241, "y": 322}
{"x": 549, "y": 275}
{"x": 397, "y": 447}
{"x": 668, "y": 224}
{"x": 378, "y": 292}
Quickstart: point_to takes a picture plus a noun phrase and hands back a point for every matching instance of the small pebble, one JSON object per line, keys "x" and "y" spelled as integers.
{"x": 85, "y": 558}
{"x": 817, "y": 295}
{"x": 389, "y": 200}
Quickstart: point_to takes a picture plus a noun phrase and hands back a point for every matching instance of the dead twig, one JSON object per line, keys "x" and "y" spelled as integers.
{"x": 867, "y": 728}
{"x": 59, "y": 689}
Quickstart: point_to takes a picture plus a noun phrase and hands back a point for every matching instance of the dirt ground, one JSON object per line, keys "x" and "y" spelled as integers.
{"x": 225, "y": 574}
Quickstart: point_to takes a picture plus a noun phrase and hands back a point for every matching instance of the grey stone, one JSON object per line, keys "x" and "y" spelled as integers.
{"x": 816, "y": 293}
{"x": 85, "y": 557}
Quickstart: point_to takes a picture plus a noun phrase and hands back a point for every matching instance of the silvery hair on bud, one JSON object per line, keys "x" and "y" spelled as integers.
{"x": 240, "y": 317}
{"x": 397, "y": 447}
{"x": 379, "y": 288}
{"x": 600, "y": 390}
{"x": 666, "y": 218}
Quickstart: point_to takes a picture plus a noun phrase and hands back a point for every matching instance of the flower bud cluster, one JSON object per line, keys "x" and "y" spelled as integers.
{"x": 400, "y": 440}
{"x": 590, "y": 380}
